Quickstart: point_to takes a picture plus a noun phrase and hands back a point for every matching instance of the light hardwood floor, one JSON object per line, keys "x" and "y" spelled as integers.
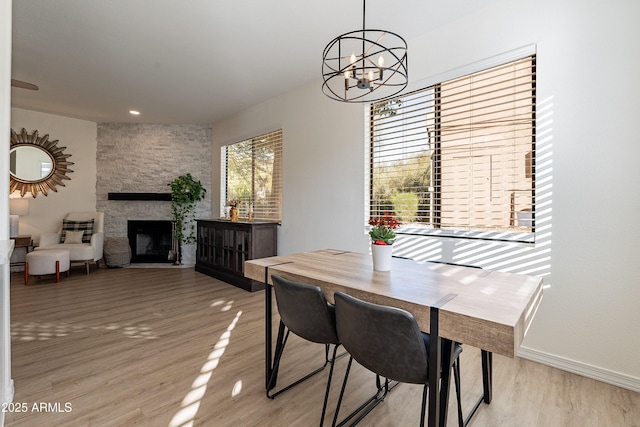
{"x": 172, "y": 347}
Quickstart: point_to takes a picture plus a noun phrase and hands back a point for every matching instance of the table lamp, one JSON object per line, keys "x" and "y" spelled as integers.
{"x": 17, "y": 208}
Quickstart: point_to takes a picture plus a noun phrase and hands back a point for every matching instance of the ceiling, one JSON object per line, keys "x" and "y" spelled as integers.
{"x": 188, "y": 61}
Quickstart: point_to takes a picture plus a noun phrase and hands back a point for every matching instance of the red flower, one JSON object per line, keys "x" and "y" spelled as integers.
{"x": 382, "y": 229}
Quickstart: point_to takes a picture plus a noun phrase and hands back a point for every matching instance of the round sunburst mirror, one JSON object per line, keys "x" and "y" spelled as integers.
{"x": 36, "y": 165}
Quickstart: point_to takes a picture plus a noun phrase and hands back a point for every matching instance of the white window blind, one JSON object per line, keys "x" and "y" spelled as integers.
{"x": 459, "y": 155}
{"x": 252, "y": 173}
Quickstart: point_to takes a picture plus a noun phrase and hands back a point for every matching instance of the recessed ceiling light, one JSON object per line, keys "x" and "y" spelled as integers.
{"x": 134, "y": 112}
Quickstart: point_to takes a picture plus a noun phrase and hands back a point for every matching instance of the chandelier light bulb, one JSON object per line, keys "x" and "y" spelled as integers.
{"x": 353, "y": 58}
{"x": 381, "y": 61}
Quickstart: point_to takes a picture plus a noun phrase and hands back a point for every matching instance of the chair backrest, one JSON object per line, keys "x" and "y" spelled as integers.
{"x": 385, "y": 340}
{"x": 305, "y": 311}
{"x": 98, "y": 219}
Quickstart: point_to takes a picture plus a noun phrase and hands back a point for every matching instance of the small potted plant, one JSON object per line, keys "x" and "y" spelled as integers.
{"x": 186, "y": 192}
{"x": 382, "y": 237}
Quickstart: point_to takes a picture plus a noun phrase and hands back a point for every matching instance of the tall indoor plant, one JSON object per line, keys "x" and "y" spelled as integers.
{"x": 186, "y": 192}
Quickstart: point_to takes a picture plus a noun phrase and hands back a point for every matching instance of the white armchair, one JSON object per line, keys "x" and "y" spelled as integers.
{"x": 87, "y": 251}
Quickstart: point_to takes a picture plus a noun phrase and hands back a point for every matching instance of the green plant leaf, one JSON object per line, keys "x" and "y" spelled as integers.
{"x": 186, "y": 192}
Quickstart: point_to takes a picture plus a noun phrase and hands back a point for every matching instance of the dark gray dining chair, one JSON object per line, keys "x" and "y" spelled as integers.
{"x": 387, "y": 341}
{"x": 304, "y": 311}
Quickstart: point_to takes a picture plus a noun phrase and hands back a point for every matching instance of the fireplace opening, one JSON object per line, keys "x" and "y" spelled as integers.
{"x": 150, "y": 241}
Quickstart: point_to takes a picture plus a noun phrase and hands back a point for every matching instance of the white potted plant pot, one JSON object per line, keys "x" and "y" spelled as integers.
{"x": 381, "y": 257}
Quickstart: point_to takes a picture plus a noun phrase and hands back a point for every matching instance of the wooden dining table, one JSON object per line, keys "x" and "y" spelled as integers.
{"x": 490, "y": 310}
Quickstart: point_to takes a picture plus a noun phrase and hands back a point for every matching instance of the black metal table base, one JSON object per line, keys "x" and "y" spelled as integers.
{"x": 487, "y": 384}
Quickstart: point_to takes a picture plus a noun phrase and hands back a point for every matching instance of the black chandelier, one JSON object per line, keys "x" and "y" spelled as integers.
{"x": 358, "y": 67}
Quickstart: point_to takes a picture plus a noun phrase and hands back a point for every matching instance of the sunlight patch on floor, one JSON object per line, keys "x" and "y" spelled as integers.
{"x": 42, "y": 331}
{"x": 191, "y": 402}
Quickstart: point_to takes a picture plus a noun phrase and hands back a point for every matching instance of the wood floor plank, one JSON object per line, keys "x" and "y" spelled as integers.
{"x": 172, "y": 347}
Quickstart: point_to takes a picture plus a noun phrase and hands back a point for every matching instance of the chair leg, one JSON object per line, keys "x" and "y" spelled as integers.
{"x": 26, "y": 273}
{"x": 57, "y": 271}
{"x": 276, "y": 366}
{"x": 344, "y": 386}
{"x": 326, "y": 393}
{"x": 456, "y": 379}
{"x": 277, "y": 357}
{"x": 423, "y": 412}
{"x": 368, "y": 405}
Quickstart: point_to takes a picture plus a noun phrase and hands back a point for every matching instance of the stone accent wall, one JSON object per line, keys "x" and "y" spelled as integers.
{"x": 145, "y": 158}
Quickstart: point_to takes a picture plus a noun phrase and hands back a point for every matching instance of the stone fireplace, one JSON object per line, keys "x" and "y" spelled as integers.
{"x": 137, "y": 162}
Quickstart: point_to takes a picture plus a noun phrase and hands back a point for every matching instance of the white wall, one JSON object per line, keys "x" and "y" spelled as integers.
{"x": 323, "y": 166}
{"x": 79, "y": 193}
{"x": 6, "y": 383}
{"x": 587, "y": 234}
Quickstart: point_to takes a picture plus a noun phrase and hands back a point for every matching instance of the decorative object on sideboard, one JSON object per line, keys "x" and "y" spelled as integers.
{"x": 36, "y": 165}
{"x": 17, "y": 208}
{"x": 234, "y": 209}
{"x": 365, "y": 65}
{"x": 186, "y": 192}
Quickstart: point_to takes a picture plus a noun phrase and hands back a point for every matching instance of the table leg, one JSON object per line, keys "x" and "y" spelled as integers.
{"x": 435, "y": 361}
{"x": 445, "y": 379}
{"x": 487, "y": 383}
{"x": 268, "y": 332}
{"x": 438, "y": 397}
{"x": 487, "y": 375}
{"x": 268, "y": 335}
{"x": 275, "y": 364}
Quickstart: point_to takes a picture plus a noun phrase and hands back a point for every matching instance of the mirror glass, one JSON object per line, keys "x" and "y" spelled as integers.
{"x": 30, "y": 163}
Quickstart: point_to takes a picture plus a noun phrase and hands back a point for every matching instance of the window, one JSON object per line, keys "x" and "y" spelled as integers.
{"x": 252, "y": 173}
{"x": 458, "y": 158}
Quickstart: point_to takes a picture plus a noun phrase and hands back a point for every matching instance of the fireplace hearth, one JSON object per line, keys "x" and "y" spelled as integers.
{"x": 150, "y": 241}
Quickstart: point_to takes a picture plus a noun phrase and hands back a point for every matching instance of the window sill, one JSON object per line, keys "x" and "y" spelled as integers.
{"x": 491, "y": 236}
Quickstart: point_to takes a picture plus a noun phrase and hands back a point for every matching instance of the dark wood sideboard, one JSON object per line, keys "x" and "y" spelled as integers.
{"x": 223, "y": 246}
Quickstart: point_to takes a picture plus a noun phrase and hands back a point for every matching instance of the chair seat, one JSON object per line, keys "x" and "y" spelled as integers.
{"x": 77, "y": 251}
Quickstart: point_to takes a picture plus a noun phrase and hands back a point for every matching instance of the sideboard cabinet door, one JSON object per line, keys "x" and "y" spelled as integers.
{"x": 223, "y": 246}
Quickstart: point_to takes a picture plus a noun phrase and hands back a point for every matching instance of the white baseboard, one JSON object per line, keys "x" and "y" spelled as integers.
{"x": 7, "y": 399}
{"x": 589, "y": 371}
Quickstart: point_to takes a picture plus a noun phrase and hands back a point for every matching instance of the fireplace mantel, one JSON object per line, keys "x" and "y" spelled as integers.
{"x": 139, "y": 196}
